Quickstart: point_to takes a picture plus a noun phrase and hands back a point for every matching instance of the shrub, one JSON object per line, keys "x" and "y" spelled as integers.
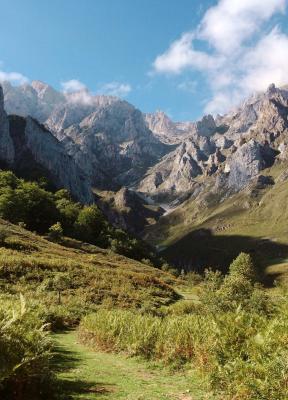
{"x": 25, "y": 350}
{"x": 243, "y": 267}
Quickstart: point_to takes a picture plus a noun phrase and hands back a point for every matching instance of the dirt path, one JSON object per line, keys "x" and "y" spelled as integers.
{"x": 83, "y": 374}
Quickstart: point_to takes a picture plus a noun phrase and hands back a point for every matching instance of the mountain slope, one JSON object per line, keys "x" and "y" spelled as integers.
{"x": 209, "y": 231}
{"x": 166, "y": 163}
{"x": 95, "y": 276}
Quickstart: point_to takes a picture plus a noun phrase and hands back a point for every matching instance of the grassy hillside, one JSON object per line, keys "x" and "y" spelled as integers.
{"x": 212, "y": 233}
{"x": 83, "y": 276}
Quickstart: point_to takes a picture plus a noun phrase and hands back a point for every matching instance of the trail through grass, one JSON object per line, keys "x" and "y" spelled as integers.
{"x": 83, "y": 374}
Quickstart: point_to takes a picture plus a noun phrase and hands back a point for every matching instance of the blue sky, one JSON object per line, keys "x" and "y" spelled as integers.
{"x": 178, "y": 56}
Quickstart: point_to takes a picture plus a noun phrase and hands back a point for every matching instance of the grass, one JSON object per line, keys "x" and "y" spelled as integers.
{"x": 84, "y": 374}
{"x": 97, "y": 277}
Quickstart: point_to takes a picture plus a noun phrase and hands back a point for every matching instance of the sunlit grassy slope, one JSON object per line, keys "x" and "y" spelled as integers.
{"x": 254, "y": 220}
{"x": 97, "y": 277}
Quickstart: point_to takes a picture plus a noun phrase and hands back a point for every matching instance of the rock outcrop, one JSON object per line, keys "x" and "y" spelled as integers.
{"x": 128, "y": 210}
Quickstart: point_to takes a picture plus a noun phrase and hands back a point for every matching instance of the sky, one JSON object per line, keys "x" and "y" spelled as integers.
{"x": 184, "y": 57}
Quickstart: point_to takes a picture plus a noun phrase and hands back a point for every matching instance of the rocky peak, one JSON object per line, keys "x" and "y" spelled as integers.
{"x": 46, "y": 93}
{"x": 271, "y": 89}
{"x": 206, "y": 126}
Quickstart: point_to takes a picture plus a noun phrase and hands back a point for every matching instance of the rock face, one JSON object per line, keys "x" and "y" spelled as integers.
{"x": 106, "y": 136}
{"x": 130, "y": 211}
{"x": 28, "y": 147}
{"x": 171, "y": 132}
{"x": 6, "y": 143}
{"x": 246, "y": 163}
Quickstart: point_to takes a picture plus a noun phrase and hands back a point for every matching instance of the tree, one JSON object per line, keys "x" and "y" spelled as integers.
{"x": 26, "y": 202}
{"x": 35, "y": 207}
{"x": 8, "y": 179}
{"x": 243, "y": 267}
{"x": 61, "y": 281}
{"x": 69, "y": 212}
{"x": 89, "y": 224}
{"x": 238, "y": 285}
{"x": 62, "y": 194}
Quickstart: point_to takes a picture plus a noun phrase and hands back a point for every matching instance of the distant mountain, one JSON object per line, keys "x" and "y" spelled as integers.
{"x": 244, "y": 142}
{"x": 172, "y": 132}
{"x": 105, "y": 143}
{"x": 106, "y": 136}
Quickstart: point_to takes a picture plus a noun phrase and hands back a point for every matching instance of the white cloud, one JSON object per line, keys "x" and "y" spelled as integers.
{"x": 228, "y": 24}
{"x": 117, "y": 89}
{"x": 73, "y": 86}
{"x": 262, "y": 66}
{"x": 13, "y": 77}
{"x": 82, "y": 97}
{"x": 76, "y": 92}
{"x": 182, "y": 55}
{"x": 241, "y": 58}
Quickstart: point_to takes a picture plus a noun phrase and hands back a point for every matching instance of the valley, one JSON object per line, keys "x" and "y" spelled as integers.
{"x": 140, "y": 257}
{"x": 143, "y": 200}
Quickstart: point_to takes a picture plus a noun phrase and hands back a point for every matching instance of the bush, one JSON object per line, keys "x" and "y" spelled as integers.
{"x": 25, "y": 350}
{"x": 243, "y": 267}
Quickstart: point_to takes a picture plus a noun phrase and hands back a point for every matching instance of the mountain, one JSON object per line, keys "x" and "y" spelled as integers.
{"x": 107, "y": 137}
{"x": 244, "y": 142}
{"x": 239, "y": 205}
{"x": 148, "y": 172}
{"x": 29, "y": 149}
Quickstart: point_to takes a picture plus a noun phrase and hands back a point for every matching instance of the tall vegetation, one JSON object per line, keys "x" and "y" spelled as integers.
{"x": 25, "y": 351}
{"x": 234, "y": 335}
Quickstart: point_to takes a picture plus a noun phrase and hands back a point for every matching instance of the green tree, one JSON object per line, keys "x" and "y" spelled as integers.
{"x": 89, "y": 224}
{"x": 238, "y": 285}
{"x": 8, "y": 179}
{"x": 68, "y": 212}
{"x": 243, "y": 267}
{"x": 35, "y": 207}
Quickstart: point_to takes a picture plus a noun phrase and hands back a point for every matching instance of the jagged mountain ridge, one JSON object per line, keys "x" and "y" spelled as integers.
{"x": 171, "y": 132}
{"x": 248, "y": 140}
{"x": 106, "y": 136}
{"x": 115, "y": 145}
